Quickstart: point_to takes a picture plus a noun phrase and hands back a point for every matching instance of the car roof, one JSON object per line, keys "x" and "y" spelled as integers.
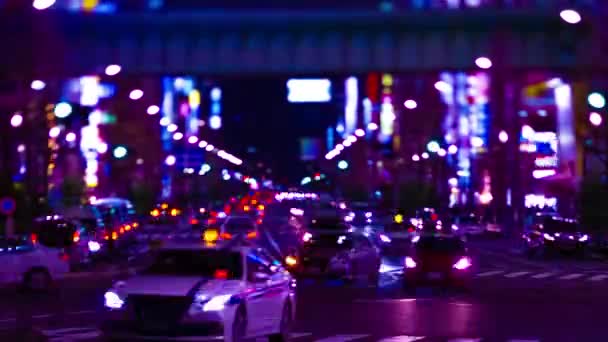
{"x": 220, "y": 245}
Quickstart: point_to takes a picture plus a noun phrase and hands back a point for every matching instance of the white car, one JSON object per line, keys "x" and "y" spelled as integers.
{"x": 194, "y": 292}
{"x": 31, "y": 266}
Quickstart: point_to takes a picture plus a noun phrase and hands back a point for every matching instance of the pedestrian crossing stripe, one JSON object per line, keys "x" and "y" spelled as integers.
{"x": 75, "y": 334}
{"x": 402, "y": 338}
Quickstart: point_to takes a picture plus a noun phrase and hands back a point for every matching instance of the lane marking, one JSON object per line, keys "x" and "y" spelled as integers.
{"x": 64, "y": 331}
{"x": 571, "y": 276}
{"x": 465, "y": 340}
{"x": 488, "y": 274}
{"x": 523, "y": 340}
{"x": 7, "y": 320}
{"x": 342, "y": 338}
{"x": 299, "y": 335}
{"x": 76, "y": 337}
{"x": 402, "y": 338}
{"x": 599, "y": 277}
{"x": 543, "y": 275}
{"x": 516, "y": 274}
{"x": 42, "y": 316}
{"x": 390, "y": 300}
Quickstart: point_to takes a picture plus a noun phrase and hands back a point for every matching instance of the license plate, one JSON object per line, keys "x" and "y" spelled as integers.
{"x": 434, "y": 276}
{"x": 155, "y": 244}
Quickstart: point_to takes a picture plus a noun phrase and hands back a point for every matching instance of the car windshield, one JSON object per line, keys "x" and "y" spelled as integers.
{"x": 333, "y": 241}
{"x": 203, "y": 263}
{"x": 441, "y": 245}
{"x": 328, "y": 224}
{"x": 554, "y": 225}
{"x": 239, "y": 225}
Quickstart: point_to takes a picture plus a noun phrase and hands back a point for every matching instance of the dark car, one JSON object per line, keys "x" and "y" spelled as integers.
{"x": 339, "y": 254}
{"x": 437, "y": 259}
{"x": 553, "y": 233}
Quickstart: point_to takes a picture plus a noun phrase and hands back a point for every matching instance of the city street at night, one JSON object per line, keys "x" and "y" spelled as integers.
{"x": 511, "y": 299}
{"x": 304, "y": 170}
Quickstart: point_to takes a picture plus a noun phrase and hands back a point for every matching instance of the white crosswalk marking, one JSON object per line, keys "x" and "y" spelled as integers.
{"x": 543, "y": 275}
{"x": 293, "y": 336}
{"x": 488, "y": 274}
{"x": 299, "y": 335}
{"x": 599, "y": 277}
{"x": 571, "y": 276}
{"x": 342, "y": 338}
{"x": 71, "y": 334}
{"x": 403, "y": 338}
{"x": 516, "y": 274}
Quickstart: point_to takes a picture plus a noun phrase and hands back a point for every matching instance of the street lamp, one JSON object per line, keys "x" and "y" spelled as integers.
{"x": 170, "y": 160}
{"x": 342, "y": 165}
{"x": 153, "y": 110}
{"x": 503, "y": 137}
{"x": 595, "y": 119}
{"x": 136, "y": 94}
{"x": 425, "y": 155}
{"x": 112, "y": 69}
{"x": 16, "y": 120}
{"x": 433, "y": 146}
{"x": 596, "y": 100}
{"x": 416, "y": 157}
{"x": 410, "y": 104}
{"x": 63, "y": 110}
{"x": 442, "y": 152}
{"x": 37, "y": 85}
{"x": 483, "y": 63}
{"x": 452, "y": 149}
{"x": 570, "y": 16}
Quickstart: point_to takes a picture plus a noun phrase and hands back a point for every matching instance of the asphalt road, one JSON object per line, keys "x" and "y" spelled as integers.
{"x": 512, "y": 299}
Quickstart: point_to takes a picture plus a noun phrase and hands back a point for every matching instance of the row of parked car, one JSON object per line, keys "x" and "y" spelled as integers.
{"x": 66, "y": 241}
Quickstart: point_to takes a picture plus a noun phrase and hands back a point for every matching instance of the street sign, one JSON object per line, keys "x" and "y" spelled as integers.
{"x": 7, "y": 206}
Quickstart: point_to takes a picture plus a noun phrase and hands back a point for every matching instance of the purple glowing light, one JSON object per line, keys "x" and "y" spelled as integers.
{"x": 16, "y": 120}
{"x": 483, "y": 63}
{"x": 410, "y": 104}
{"x": 42, "y": 4}
{"x": 136, "y": 94}
{"x": 153, "y": 110}
{"x": 113, "y": 69}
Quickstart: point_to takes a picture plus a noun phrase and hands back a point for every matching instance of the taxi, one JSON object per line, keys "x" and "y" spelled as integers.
{"x": 197, "y": 291}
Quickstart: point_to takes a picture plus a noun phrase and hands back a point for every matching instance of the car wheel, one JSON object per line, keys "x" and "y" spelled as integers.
{"x": 285, "y": 328}
{"x": 37, "y": 280}
{"x": 239, "y": 327}
{"x": 374, "y": 276}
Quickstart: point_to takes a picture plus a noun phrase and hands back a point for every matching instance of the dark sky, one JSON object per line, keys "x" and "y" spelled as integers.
{"x": 256, "y": 113}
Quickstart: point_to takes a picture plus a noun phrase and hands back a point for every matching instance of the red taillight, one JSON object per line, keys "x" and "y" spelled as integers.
{"x": 76, "y": 237}
{"x": 411, "y": 230}
{"x": 434, "y": 217}
{"x": 252, "y": 235}
{"x": 114, "y": 236}
{"x": 226, "y": 236}
{"x": 128, "y": 227}
{"x": 122, "y": 230}
{"x": 193, "y": 221}
{"x": 221, "y": 274}
{"x": 64, "y": 256}
{"x": 34, "y": 238}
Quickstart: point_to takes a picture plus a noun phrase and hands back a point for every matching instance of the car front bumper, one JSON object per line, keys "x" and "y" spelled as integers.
{"x": 125, "y": 325}
{"x": 459, "y": 278}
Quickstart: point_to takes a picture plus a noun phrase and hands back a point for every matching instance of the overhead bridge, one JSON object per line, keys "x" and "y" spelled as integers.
{"x": 312, "y": 42}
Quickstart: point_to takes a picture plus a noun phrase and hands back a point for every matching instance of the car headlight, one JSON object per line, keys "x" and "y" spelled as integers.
{"x": 548, "y": 237}
{"x": 113, "y": 301}
{"x": 217, "y": 303}
{"x": 385, "y": 238}
{"x": 410, "y": 263}
{"x": 583, "y": 238}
